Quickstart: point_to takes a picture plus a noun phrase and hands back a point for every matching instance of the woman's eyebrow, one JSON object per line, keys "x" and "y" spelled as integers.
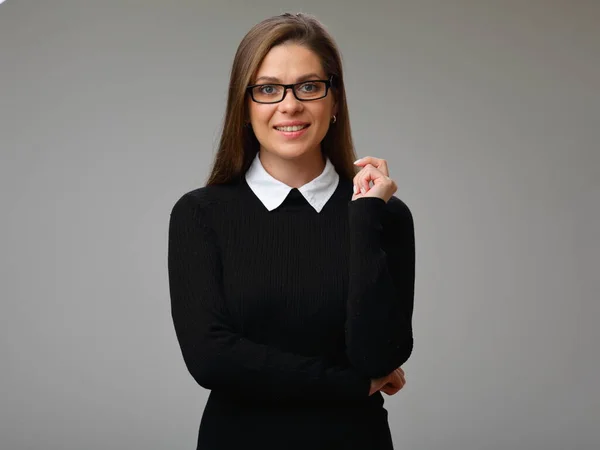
{"x": 310, "y": 76}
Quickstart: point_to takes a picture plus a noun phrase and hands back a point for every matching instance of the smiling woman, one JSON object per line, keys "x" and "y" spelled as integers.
{"x": 276, "y": 53}
{"x": 291, "y": 291}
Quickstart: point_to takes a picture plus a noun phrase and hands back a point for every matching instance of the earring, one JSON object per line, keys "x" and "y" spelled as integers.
{"x": 333, "y": 119}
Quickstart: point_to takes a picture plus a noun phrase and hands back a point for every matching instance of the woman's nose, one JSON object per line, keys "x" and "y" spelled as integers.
{"x": 290, "y": 103}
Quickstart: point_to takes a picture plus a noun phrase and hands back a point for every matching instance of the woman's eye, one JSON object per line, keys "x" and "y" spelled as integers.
{"x": 268, "y": 89}
{"x": 308, "y": 87}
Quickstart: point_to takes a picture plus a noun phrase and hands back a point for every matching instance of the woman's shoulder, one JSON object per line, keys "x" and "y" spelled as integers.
{"x": 207, "y": 198}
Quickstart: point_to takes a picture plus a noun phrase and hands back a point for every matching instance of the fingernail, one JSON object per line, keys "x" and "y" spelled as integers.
{"x": 363, "y": 191}
{"x": 355, "y": 189}
{"x": 358, "y": 160}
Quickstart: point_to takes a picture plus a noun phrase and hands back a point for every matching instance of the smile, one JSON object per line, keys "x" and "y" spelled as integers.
{"x": 292, "y": 128}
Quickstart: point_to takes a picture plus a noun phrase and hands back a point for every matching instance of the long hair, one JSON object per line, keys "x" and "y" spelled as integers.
{"x": 238, "y": 144}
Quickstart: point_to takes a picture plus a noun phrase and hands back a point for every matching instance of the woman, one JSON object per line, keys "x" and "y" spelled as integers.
{"x": 291, "y": 275}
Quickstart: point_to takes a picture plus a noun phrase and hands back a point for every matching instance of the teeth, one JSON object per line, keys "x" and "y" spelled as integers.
{"x": 294, "y": 128}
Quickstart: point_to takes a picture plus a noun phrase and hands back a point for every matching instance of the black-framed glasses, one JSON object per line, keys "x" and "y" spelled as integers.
{"x": 305, "y": 91}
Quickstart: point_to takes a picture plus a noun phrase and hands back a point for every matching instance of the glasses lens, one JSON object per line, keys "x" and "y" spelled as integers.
{"x": 311, "y": 90}
{"x": 267, "y": 93}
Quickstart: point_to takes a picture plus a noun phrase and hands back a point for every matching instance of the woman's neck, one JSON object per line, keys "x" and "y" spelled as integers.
{"x": 295, "y": 172}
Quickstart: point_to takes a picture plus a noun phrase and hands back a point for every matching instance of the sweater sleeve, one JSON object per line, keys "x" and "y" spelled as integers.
{"x": 381, "y": 287}
{"x": 218, "y": 356}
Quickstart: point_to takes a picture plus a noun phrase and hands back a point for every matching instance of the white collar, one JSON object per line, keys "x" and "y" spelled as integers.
{"x": 272, "y": 192}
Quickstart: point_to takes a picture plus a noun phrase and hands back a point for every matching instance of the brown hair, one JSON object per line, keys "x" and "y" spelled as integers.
{"x": 238, "y": 145}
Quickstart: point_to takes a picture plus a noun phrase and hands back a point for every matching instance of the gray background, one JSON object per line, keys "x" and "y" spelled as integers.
{"x": 488, "y": 113}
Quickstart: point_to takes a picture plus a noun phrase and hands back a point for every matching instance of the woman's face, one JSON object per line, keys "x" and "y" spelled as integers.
{"x": 287, "y": 64}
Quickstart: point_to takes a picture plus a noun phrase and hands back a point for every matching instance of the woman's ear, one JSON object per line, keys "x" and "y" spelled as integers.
{"x": 334, "y": 106}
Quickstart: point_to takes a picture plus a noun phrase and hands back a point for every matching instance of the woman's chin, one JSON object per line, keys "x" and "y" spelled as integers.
{"x": 291, "y": 151}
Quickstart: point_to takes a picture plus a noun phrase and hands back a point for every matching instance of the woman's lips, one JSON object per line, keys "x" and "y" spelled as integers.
{"x": 292, "y": 134}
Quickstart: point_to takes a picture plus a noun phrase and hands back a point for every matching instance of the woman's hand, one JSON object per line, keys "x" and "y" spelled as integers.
{"x": 375, "y": 170}
{"x": 390, "y": 384}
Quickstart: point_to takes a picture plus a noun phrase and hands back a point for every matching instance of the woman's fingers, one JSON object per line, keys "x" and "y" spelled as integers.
{"x": 383, "y": 186}
{"x": 367, "y": 174}
{"x": 389, "y": 390}
{"x": 395, "y": 382}
{"x": 378, "y": 383}
{"x": 374, "y": 170}
{"x": 378, "y": 163}
{"x": 390, "y": 384}
{"x": 399, "y": 378}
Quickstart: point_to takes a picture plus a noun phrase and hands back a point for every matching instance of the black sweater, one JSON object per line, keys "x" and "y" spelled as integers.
{"x": 287, "y": 315}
